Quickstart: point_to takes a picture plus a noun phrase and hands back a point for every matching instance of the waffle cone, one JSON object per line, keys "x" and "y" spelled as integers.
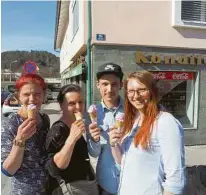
{"x": 119, "y": 124}
{"x": 31, "y": 113}
{"x": 78, "y": 115}
{"x": 22, "y": 112}
{"x": 93, "y": 116}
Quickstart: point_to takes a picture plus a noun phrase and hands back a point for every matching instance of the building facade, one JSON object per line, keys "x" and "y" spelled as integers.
{"x": 167, "y": 38}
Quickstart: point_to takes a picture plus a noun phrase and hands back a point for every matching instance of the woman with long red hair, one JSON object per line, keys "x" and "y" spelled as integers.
{"x": 150, "y": 150}
{"x": 22, "y": 139}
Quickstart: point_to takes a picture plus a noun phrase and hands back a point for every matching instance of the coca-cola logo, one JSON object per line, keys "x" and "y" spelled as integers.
{"x": 180, "y": 76}
{"x": 160, "y": 75}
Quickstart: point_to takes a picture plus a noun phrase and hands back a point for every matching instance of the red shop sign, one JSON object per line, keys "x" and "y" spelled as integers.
{"x": 173, "y": 75}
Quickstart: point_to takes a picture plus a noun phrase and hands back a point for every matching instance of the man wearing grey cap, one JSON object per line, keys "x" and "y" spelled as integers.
{"x": 109, "y": 83}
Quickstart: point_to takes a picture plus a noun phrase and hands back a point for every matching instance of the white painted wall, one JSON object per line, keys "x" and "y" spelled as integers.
{"x": 72, "y": 44}
{"x": 148, "y": 23}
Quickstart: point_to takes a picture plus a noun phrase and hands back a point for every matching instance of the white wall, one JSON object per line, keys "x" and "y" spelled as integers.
{"x": 72, "y": 44}
{"x": 142, "y": 23}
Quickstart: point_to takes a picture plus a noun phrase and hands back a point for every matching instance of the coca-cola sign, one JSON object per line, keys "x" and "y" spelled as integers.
{"x": 159, "y": 75}
{"x": 173, "y": 75}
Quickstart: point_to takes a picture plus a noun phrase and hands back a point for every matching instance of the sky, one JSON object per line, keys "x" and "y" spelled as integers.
{"x": 28, "y": 25}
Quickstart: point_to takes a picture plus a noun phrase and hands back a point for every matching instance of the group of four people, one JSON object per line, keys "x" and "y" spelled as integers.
{"x": 146, "y": 158}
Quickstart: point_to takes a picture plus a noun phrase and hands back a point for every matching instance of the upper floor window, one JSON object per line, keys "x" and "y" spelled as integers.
{"x": 189, "y": 13}
{"x": 75, "y": 12}
{"x": 193, "y": 11}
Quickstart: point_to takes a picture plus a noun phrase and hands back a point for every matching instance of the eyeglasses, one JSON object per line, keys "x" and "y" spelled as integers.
{"x": 140, "y": 92}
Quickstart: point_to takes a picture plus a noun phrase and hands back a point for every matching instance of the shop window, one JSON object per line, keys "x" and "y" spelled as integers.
{"x": 178, "y": 95}
{"x": 189, "y": 13}
{"x": 77, "y": 80}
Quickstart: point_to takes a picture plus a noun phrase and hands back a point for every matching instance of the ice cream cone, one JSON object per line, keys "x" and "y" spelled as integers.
{"x": 93, "y": 113}
{"x": 31, "y": 111}
{"x": 78, "y": 115}
{"x": 119, "y": 121}
{"x": 119, "y": 124}
{"x": 22, "y": 112}
{"x": 93, "y": 116}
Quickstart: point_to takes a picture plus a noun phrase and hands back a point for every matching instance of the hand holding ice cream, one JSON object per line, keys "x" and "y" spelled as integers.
{"x": 28, "y": 128}
{"x": 77, "y": 128}
{"x": 94, "y": 130}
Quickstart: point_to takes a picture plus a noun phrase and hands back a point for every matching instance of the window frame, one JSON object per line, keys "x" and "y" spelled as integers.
{"x": 195, "y": 97}
{"x": 178, "y": 22}
{"x": 74, "y": 3}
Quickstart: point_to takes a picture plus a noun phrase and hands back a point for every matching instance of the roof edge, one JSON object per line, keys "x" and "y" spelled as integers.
{"x": 57, "y": 23}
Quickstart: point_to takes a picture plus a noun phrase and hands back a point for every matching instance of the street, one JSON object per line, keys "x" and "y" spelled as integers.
{"x": 194, "y": 155}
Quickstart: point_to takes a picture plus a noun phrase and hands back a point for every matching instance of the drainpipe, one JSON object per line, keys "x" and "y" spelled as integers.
{"x": 89, "y": 76}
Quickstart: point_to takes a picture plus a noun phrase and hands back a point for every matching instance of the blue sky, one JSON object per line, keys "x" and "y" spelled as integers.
{"x": 28, "y": 25}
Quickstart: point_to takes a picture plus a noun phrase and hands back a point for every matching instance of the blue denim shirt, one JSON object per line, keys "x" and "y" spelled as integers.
{"x": 107, "y": 172}
{"x": 162, "y": 167}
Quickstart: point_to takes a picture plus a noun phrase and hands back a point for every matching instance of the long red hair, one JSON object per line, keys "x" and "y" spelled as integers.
{"x": 142, "y": 136}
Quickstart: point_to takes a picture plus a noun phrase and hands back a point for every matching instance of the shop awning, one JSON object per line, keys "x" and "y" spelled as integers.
{"x": 73, "y": 72}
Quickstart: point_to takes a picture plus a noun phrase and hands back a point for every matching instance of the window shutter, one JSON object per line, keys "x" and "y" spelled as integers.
{"x": 194, "y": 11}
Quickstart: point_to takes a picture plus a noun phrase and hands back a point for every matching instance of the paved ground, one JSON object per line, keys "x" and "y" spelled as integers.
{"x": 195, "y": 155}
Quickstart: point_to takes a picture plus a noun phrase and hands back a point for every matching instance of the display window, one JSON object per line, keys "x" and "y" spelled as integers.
{"x": 177, "y": 95}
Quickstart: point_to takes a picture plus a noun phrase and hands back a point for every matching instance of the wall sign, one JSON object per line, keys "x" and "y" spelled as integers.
{"x": 100, "y": 37}
{"x": 173, "y": 75}
{"x": 140, "y": 57}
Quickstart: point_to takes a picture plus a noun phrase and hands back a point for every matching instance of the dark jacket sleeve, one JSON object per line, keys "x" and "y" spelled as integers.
{"x": 55, "y": 140}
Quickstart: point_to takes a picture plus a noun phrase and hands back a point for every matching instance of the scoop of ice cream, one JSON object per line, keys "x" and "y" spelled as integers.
{"x": 120, "y": 117}
{"x": 31, "y": 110}
{"x": 31, "y": 106}
{"x": 92, "y": 108}
{"x": 119, "y": 121}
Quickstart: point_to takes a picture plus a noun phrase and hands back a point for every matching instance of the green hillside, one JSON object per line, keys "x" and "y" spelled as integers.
{"x": 48, "y": 63}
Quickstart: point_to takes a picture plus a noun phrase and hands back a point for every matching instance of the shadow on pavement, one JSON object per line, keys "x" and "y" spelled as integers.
{"x": 50, "y": 111}
{"x": 196, "y": 180}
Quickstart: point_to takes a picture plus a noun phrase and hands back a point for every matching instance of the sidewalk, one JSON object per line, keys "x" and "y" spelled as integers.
{"x": 51, "y": 106}
{"x": 195, "y": 155}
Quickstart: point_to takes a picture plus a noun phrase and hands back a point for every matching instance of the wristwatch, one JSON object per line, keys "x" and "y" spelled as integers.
{"x": 18, "y": 142}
